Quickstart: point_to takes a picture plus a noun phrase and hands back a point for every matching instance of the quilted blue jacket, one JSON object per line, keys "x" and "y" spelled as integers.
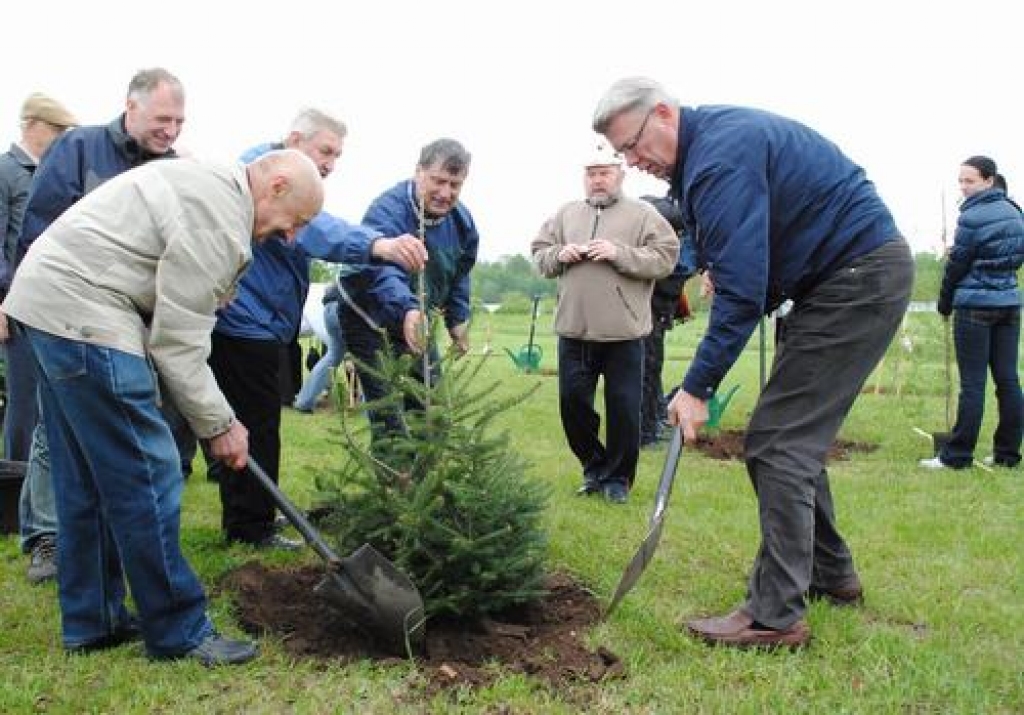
{"x": 988, "y": 248}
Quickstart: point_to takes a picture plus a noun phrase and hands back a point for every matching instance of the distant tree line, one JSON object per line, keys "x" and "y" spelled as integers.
{"x": 511, "y": 281}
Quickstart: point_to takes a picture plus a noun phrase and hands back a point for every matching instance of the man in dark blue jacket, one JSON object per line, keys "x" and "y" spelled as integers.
{"x": 777, "y": 212}
{"x": 75, "y": 164}
{"x": 383, "y": 298}
{"x": 265, "y": 316}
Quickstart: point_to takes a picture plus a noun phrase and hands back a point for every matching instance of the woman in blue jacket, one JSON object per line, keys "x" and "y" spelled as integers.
{"x": 979, "y": 288}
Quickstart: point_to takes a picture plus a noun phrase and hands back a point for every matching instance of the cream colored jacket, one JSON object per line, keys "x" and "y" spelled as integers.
{"x": 606, "y": 301}
{"x": 140, "y": 265}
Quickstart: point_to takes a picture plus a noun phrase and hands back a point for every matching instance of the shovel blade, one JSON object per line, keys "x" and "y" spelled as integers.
{"x": 636, "y": 566}
{"x": 372, "y": 594}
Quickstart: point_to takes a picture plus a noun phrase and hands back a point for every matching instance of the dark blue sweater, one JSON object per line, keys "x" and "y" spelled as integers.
{"x": 386, "y": 291}
{"x": 774, "y": 209}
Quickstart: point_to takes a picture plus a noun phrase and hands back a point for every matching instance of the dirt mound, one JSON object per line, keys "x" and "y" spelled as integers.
{"x": 728, "y": 444}
{"x": 543, "y": 639}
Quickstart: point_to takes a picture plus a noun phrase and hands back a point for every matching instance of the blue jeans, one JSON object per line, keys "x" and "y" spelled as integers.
{"x": 37, "y": 512}
{"x": 580, "y": 364}
{"x": 118, "y": 483}
{"x": 986, "y": 339}
{"x": 319, "y": 376}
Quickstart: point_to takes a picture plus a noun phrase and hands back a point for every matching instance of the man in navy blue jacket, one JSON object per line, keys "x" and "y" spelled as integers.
{"x": 383, "y": 298}
{"x": 78, "y": 162}
{"x": 265, "y": 316}
{"x": 777, "y": 212}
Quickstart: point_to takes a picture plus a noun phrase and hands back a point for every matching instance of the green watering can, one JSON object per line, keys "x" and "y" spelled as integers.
{"x": 717, "y": 405}
{"x": 527, "y": 358}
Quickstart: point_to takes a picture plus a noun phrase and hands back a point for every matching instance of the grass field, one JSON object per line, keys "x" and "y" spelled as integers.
{"x": 939, "y": 553}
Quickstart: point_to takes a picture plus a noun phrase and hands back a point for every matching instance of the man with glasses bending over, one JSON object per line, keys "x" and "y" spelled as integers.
{"x": 777, "y": 213}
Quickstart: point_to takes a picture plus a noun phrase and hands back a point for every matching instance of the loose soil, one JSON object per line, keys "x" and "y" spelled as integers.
{"x": 728, "y": 444}
{"x": 543, "y": 639}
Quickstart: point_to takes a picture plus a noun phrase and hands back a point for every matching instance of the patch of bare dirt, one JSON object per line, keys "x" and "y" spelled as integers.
{"x": 728, "y": 445}
{"x": 543, "y": 639}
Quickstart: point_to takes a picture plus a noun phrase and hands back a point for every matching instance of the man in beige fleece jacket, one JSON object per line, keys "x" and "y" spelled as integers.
{"x": 606, "y": 252}
{"x": 124, "y": 283}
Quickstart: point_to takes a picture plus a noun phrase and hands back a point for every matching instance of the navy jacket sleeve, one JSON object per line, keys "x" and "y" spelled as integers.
{"x": 58, "y": 184}
{"x": 334, "y": 239}
{"x": 958, "y": 265}
{"x": 388, "y": 285}
{"x": 731, "y": 210}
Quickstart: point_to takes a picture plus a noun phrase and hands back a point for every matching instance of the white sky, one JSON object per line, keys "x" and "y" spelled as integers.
{"x": 908, "y": 90}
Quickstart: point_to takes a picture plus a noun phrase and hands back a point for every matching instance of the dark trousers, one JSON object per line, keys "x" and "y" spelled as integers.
{"x": 986, "y": 339}
{"x": 247, "y": 372}
{"x": 580, "y": 364}
{"x": 653, "y": 403}
{"x": 364, "y": 343}
{"x": 290, "y": 374}
{"x": 22, "y": 412}
{"x": 835, "y": 335}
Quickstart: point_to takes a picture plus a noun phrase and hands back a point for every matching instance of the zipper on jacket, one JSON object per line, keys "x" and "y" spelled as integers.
{"x": 622, "y": 297}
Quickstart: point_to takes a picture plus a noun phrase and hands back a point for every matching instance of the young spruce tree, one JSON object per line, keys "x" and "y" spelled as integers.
{"x": 448, "y": 500}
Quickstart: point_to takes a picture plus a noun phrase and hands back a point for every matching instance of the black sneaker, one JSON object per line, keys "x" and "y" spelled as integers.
{"x": 217, "y": 650}
{"x": 276, "y": 541}
{"x": 42, "y": 565}
{"x": 616, "y": 492}
{"x": 589, "y": 488}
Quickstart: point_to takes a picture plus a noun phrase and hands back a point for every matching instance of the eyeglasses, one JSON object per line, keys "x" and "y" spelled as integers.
{"x": 631, "y": 144}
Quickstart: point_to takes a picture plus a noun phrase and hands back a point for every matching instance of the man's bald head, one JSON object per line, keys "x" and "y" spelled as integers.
{"x": 287, "y": 192}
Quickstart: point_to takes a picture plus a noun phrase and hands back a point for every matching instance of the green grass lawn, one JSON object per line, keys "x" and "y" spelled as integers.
{"x": 939, "y": 553}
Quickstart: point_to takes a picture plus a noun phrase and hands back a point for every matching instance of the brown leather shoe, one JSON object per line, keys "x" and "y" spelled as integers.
{"x": 848, "y": 592}
{"x": 737, "y": 629}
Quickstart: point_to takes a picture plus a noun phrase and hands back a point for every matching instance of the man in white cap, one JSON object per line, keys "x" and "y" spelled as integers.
{"x": 606, "y": 252}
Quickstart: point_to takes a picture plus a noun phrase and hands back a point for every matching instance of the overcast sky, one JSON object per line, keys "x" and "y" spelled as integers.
{"x": 908, "y": 90}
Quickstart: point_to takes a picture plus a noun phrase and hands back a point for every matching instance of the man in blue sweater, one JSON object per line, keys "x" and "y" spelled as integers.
{"x": 265, "y": 316}
{"x": 777, "y": 212}
{"x": 381, "y": 299}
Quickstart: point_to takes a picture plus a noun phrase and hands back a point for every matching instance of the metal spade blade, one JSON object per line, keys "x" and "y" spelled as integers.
{"x": 368, "y": 589}
{"x": 645, "y": 553}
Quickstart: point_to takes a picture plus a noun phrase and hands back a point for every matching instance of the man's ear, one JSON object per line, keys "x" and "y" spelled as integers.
{"x": 280, "y": 186}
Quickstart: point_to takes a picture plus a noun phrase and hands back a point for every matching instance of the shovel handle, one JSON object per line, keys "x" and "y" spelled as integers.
{"x": 300, "y": 522}
{"x": 668, "y": 475}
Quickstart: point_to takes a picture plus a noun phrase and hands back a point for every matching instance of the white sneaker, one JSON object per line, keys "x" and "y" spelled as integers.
{"x": 933, "y": 463}
{"x": 989, "y": 461}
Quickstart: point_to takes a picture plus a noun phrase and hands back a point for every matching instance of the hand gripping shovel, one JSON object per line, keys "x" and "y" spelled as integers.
{"x": 367, "y": 588}
{"x": 645, "y": 553}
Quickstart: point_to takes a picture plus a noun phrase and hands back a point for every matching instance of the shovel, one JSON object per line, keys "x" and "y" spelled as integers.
{"x": 367, "y": 588}
{"x": 645, "y": 553}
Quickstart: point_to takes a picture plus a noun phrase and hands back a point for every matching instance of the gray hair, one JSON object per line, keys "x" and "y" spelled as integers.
{"x": 145, "y": 81}
{"x": 446, "y": 153}
{"x": 629, "y": 94}
{"x": 309, "y": 121}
